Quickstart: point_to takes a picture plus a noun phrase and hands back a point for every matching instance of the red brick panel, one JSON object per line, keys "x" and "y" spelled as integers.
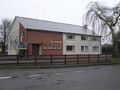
{"x": 29, "y": 49}
{"x": 46, "y": 38}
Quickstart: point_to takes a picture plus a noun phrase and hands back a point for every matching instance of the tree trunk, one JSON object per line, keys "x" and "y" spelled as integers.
{"x": 3, "y": 48}
{"x": 4, "y": 41}
{"x": 114, "y": 40}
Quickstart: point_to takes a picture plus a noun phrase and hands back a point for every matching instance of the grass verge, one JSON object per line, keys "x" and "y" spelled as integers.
{"x": 115, "y": 60}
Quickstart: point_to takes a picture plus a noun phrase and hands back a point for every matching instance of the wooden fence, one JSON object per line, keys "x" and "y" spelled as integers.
{"x": 53, "y": 59}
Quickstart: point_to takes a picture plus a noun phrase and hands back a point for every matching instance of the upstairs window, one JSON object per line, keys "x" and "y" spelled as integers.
{"x": 95, "y": 39}
{"x": 22, "y": 34}
{"x": 70, "y": 36}
{"x": 83, "y": 37}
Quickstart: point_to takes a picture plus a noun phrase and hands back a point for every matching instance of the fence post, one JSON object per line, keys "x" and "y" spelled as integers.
{"x": 65, "y": 60}
{"x": 98, "y": 59}
{"x": 77, "y": 58}
{"x": 51, "y": 59}
{"x": 18, "y": 60}
{"x": 35, "y": 60}
{"x": 106, "y": 57}
{"x": 88, "y": 58}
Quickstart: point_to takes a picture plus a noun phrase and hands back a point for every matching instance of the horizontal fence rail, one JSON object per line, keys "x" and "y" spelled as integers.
{"x": 54, "y": 59}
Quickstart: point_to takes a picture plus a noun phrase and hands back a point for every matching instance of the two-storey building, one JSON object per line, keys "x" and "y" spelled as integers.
{"x": 32, "y": 36}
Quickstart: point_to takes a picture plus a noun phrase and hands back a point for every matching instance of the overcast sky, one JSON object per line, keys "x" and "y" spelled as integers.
{"x": 65, "y": 11}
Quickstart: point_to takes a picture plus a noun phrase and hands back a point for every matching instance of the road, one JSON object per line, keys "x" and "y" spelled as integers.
{"x": 106, "y": 77}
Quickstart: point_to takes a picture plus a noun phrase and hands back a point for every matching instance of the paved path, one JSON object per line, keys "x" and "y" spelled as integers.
{"x": 76, "y": 78}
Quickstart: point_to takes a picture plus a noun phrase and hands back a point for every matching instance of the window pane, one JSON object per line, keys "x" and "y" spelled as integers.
{"x": 22, "y": 34}
{"x": 84, "y": 48}
{"x": 70, "y": 48}
{"x": 70, "y": 36}
{"x": 83, "y": 37}
{"x": 95, "y": 38}
{"x": 95, "y": 48}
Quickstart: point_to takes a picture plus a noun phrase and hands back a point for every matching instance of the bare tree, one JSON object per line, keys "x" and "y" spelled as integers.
{"x": 104, "y": 20}
{"x": 118, "y": 42}
{"x": 5, "y": 28}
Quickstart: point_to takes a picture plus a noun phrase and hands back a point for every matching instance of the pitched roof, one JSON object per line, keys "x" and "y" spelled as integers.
{"x": 36, "y": 24}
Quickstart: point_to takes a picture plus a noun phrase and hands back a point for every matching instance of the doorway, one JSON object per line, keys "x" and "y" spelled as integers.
{"x": 36, "y": 49}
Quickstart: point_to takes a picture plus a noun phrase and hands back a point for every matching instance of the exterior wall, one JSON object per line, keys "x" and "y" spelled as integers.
{"x": 77, "y": 42}
{"x": 13, "y": 40}
{"x": 44, "y": 39}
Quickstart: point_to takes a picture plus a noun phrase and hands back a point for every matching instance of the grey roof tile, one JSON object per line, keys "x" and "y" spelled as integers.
{"x": 35, "y": 24}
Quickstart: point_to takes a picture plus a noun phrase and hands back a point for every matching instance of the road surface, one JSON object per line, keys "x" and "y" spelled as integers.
{"x": 106, "y": 77}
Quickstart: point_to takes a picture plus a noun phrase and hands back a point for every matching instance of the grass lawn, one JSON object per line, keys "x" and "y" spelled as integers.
{"x": 0, "y": 49}
{"x": 115, "y": 60}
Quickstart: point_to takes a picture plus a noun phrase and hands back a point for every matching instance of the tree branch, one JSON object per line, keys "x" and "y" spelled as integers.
{"x": 117, "y": 18}
{"x": 101, "y": 17}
